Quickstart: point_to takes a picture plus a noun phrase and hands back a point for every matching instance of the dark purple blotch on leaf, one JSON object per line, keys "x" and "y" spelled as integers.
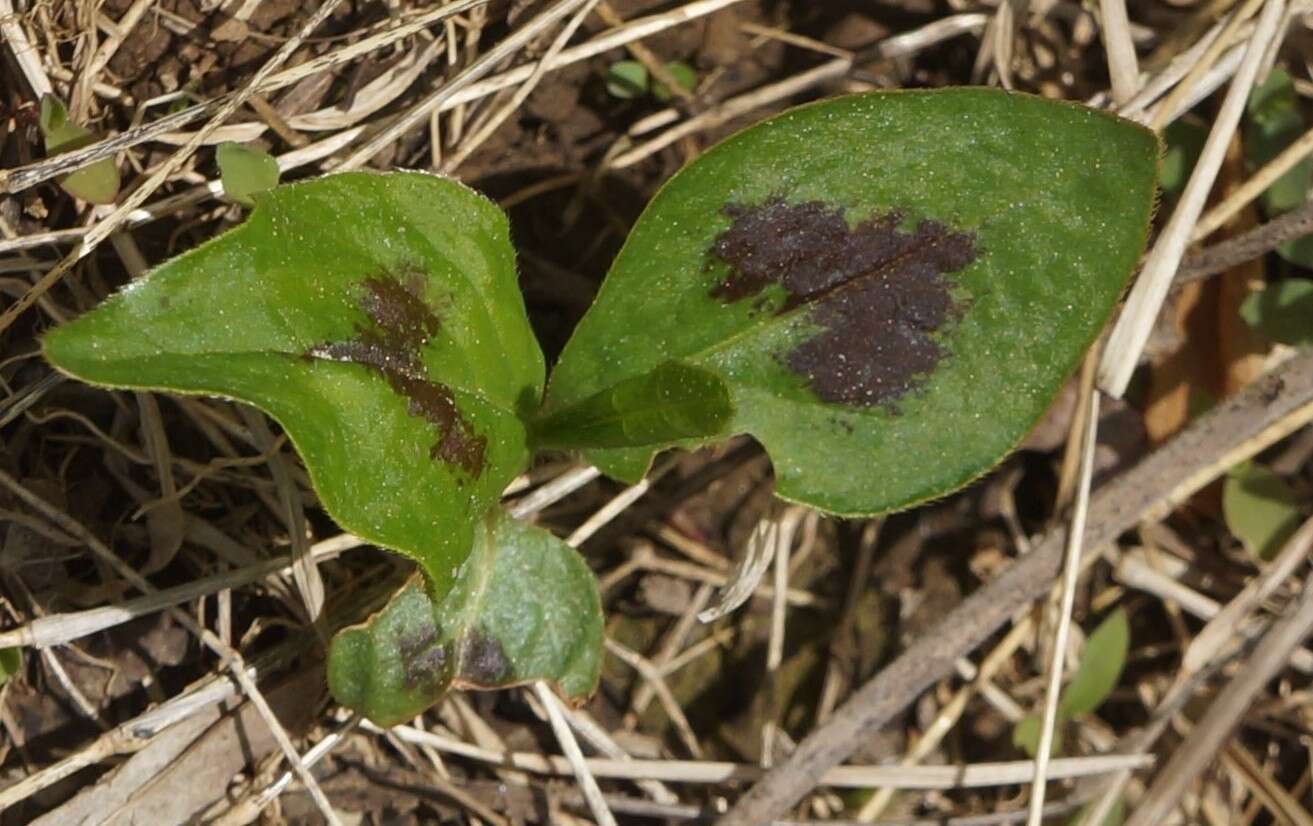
{"x": 423, "y": 659}
{"x": 483, "y": 661}
{"x": 401, "y": 323}
{"x": 879, "y": 293}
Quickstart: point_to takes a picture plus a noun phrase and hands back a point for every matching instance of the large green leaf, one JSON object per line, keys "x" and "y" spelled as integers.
{"x": 893, "y": 286}
{"x": 524, "y": 607}
{"x": 378, "y": 319}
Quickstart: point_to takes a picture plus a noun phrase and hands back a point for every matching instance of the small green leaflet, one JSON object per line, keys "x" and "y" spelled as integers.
{"x": 1100, "y": 668}
{"x": 524, "y": 607}
{"x": 245, "y": 171}
{"x": 1260, "y": 507}
{"x": 1273, "y": 121}
{"x": 11, "y": 663}
{"x": 1282, "y": 310}
{"x": 892, "y": 286}
{"x": 96, "y": 183}
{"x": 378, "y": 319}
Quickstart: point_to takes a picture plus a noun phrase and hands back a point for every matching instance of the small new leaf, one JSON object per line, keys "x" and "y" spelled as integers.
{"x": 96, "y": 183}
{"x": 245, "y": 171}
{"x": 675, "y": 401}
{"x": 524, "y": 607}
{"x": 1261, "y": 509}
{"x": 684, "y": 76}
{"x": 1100, "y": 669}
{"x": 626, "y": 79}
{"x": 1101, "y": 665}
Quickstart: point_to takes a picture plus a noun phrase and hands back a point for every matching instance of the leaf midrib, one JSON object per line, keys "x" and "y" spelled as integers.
{"x": 790, "y": 314}
{"x": 477, "y": 394}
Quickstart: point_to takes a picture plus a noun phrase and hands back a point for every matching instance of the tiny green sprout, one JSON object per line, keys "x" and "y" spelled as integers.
{"x": 96, "y": 183}
{"x": 886, "y": 290}
{"x": 683, "y": 74}
{"x": 245, "y": 171}
{"x": 626, "y": 80}
{"x": 629, "y": 79}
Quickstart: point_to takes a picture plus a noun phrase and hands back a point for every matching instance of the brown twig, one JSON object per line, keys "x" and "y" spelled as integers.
{"x": 1269, "y": 408}
{"x": 1204, "y": 741}
{"x": 1247, "y": 246}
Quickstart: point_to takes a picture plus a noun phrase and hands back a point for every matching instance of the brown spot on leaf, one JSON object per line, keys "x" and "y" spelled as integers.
{"x": 423, "y": 659}
{"x": 483, "y": 662}
{"x": 879, "y": 293}
{"x": 401, "y": 323}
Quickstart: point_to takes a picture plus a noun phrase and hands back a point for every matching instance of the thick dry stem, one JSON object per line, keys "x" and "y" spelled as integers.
{"x": 1148, "y": 490}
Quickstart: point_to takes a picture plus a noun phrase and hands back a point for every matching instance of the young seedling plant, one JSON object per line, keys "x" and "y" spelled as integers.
{"x": 885, "y": 290}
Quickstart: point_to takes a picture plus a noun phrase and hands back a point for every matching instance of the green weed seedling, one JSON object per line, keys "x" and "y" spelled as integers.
{"x": 885, "y": 290}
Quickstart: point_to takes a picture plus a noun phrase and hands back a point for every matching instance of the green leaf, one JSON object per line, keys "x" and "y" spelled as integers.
{"x": 1101, "y": 665}
{"x": 674, "y": 401}
{"x": 11, "y": 663}
{"x": 1100, "y": 668}
{"x": 1025, "y": 736}
{"x": 893, "y": 286}
{"x": 97, "y": 183}
{"x": 1260, "y": 508}
{"x": 626, "y": 79}
{"x": 524, "y": 607}
{"x": 1273, "y": 123}
{"x": 1282, "y": 311}
{"x": 53, "y": 118}
{"x": 1184, "y": 140}
{"x": 684, "y": 75}
{"x": 378, "y": 319}
{"x": 245, "y": 171}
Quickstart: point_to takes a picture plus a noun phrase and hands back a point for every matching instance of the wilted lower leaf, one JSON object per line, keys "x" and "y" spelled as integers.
{"x": 245, "y": 171}
{"x": 95, "y": 183}
{"x": 1282, "y": 311}
{"x": 524, "y": 607}
{"x": 1261, "y": 509}
{"x": 1101, "y": 665}
{"x": 892, "y": 286}
{"x": 378, "y": 319}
